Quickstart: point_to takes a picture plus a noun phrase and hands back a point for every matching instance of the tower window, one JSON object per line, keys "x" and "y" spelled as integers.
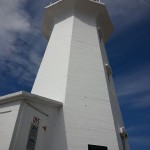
{"x": 96, "y": 147}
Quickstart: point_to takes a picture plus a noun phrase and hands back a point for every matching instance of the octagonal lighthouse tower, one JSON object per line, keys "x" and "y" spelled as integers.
{"x": 75, "y": 70}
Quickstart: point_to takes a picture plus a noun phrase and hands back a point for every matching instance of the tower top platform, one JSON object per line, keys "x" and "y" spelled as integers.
{"x": 64, "y": 6}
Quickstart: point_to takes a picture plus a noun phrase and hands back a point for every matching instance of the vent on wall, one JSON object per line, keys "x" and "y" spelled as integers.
{"x": 96, "y": 147}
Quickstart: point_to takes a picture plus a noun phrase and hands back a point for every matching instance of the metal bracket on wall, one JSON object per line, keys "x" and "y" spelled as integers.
{"x": 123, "y": 133}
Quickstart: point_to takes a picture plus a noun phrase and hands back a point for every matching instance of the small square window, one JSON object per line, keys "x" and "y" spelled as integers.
{"x": 96, "y": 147}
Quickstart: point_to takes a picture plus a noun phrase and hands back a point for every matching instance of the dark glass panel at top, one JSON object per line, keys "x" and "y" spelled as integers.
{"x": 96, "y": 147}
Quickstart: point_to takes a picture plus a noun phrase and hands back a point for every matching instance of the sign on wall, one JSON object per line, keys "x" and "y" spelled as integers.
{"x": 32, "y": 137}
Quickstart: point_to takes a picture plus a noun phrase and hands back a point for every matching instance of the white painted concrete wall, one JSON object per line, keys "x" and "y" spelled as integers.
{"x": 72, "y": 71}
{"x": 7, "y": 123}
{"x": 113, "y": 98}
{"x": 24, "y": 127}
{"x": 87, "y": 114}
{"x": 48, "y": 116}
{"x": 53, "y": 114}
{"x": 51, "y": 80}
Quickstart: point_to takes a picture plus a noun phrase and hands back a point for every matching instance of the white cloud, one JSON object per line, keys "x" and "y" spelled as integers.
{"x": 134, "y": 88}
{"x": 136, "y": 137}
{"x": 140, "y": 141}
{"x": 127, "y": 12}
{"x": 21, "y": 41}
{"x": 13, "y": 17}
{"x": 13, "y": 20}
{"x": 133, "y": 82}
{"x": 141, "y": 102}
{"x": 140, "y": 128}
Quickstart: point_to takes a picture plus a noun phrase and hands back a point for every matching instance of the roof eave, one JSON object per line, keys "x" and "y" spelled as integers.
{"x": 26, "y": 96}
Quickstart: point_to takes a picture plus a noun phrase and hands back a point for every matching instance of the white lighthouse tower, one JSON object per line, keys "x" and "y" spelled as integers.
{"x": 77, "y": 108}
{"x": 75, "y": 70}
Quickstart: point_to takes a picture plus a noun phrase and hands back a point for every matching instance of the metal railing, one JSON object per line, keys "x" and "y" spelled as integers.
{"x": 55, "y": 1}
{"x": 97, "y": 0}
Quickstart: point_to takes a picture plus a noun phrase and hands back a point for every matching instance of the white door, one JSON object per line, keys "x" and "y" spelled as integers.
{"x": 32, "y": 130}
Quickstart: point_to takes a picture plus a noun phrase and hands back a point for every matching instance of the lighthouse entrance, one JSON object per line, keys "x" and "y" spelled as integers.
{"x": 32, "y": 130}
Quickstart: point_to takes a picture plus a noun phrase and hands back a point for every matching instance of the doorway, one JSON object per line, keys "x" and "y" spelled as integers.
{"x": 32, "y": 131}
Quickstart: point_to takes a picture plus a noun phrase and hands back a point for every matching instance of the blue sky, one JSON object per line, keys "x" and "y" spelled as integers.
{"x": 22, "y": 47}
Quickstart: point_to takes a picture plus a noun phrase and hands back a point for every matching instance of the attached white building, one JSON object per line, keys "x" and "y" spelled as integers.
{"x": 77, "y": 108}
{"x": 27, "y": 121}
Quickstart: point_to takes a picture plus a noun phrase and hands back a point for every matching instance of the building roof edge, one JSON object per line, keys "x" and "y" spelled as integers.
{"x": 26, "y": 96}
